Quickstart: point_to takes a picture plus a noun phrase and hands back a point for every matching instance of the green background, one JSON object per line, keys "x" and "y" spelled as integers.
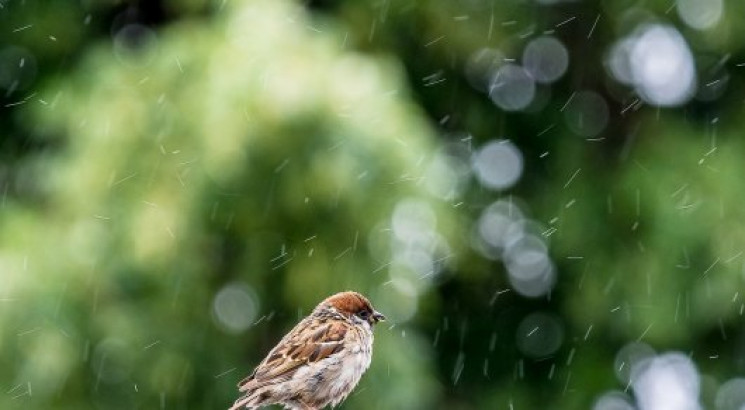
{"x": 157, "y": 155}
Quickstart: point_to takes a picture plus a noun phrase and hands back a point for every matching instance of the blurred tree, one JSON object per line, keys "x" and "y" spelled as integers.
{"x": 539, "y": 194}
{"x": 207, "y": 181}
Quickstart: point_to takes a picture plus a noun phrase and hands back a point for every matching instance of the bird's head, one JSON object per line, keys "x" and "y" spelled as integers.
{"x": 355, "y": 306}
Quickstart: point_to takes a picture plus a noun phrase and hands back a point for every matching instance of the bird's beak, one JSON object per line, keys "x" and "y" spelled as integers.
{"x": 378, "y": 317}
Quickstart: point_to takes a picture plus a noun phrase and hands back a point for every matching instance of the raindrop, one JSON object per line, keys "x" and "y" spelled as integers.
{"x": 512, "y": 88}
{"x": 714, "y": 78}
{"x": 498, "y": 164}
{"x": 714, "y": 87}
{"x": 234, "y": 307}
{"x": 546, "y": 59}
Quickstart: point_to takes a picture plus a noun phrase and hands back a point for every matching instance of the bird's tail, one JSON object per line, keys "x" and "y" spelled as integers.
{"x": 243, "y": 402}
{"x": 253, "y": 398}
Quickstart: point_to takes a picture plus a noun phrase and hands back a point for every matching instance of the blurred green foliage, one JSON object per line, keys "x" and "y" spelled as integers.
{"x": 162, "y": 154}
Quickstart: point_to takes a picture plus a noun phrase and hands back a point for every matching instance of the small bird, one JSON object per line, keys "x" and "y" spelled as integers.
{"x": 320, "y": 360}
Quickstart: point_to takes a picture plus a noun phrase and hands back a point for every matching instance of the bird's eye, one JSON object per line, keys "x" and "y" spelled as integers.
{"x": 363, "y": 314}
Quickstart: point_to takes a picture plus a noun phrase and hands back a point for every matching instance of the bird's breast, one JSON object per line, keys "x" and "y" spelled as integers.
{"x": 353, "y": 362}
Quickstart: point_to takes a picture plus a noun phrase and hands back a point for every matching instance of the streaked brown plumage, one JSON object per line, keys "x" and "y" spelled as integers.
{"x": 320, "y": 360}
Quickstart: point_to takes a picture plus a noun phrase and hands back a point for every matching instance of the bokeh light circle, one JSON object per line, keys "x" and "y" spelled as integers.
{"x": 546, "y": 59}
{"x": 480, "y": 67}
{"x": 587, "y": 114}
{"x": 536, "y": 286}
{"x": 613, "y": 400}
{"x": 731, "y": 395}
{"x": 527, "y": 259}
{"x": 662, "y": 66}
{"x": 446, "y": 176}
{"x": 498, "y": 165}
{"x": 135, "y": 45}
{"x": 399, "y": 302}
{"x": 413, "y": 222}
{"x": 628, "y": 357}
{"x": 700, "y": 14}
{"x": 112, "y": 360}
{"x": 539, "y": 335}
{"x": 18, "y": 68}
{"x": 512, "y": 88}
{"x": 234, "y": 307}
{"x": 617, "y": 61}
{"x": 498, "y": 224}
{"x": 666, "y": 382}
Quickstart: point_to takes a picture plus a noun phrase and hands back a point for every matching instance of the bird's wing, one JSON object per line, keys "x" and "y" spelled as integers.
{"x": 310, "y": 341}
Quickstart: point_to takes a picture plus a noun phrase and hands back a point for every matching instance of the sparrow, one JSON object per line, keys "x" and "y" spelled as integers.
{"x": 319, "y": 362}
